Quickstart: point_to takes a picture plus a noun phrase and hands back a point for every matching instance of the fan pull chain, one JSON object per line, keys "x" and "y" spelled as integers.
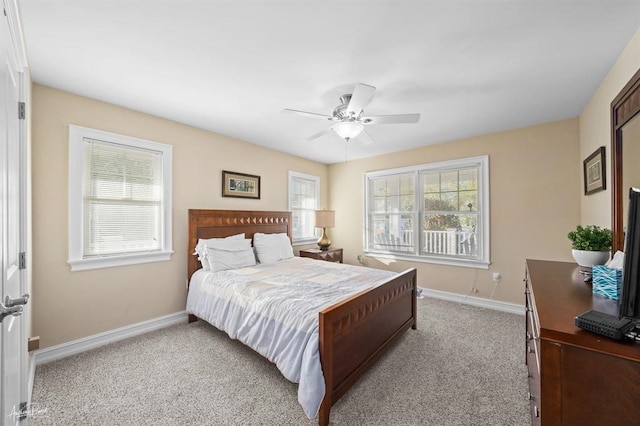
{"x": 346, "y": 142}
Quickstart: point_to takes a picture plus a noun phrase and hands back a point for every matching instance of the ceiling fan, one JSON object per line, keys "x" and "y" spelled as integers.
{"x": 350, "y": 119}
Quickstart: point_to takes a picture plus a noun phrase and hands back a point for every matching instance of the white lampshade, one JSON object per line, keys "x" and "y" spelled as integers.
{"x": 347, "y": 129}
{"x": 325, "y": 218}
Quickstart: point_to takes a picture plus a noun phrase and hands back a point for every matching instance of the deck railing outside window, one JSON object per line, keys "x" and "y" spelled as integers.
{"x": 447, "y": 242}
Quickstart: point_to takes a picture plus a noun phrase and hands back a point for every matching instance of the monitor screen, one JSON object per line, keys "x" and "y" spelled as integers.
{"x": 630, "y": 297}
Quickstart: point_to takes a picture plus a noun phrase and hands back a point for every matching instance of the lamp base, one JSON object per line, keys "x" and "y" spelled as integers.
{"x": 324, "y": 242}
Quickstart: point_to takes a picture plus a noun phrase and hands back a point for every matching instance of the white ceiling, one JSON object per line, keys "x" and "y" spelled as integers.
{"x": 468, "y": 67}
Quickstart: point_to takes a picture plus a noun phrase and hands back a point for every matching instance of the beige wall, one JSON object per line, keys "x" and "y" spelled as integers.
{"x": 71, "y": 305}
{"x": 534, "y": 188}
{"x": 595, "y": 129}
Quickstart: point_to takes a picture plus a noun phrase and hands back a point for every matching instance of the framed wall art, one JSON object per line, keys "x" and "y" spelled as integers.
{"x": 594, "y": 172}
{"x": 240, "y": 185}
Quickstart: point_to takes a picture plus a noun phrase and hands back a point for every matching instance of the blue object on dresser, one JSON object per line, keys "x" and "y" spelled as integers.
{"x": 606, "y": 281}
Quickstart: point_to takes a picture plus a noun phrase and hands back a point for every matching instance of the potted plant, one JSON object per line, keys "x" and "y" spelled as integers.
{"x": 591, "y": 245}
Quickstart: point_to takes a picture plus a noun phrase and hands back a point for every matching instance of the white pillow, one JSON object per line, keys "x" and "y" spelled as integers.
{"x": 231, "y": 244}
{"x": 222, "y": 256}
{"x": 272, "y": 247}
{"x": 201, "y": 248}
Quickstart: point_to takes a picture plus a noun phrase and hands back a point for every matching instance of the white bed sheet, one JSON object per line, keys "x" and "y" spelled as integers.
{"x": 273, "y": 308}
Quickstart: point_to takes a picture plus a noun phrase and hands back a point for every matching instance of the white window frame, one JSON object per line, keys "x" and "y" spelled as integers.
{"x": 78, "y": 262}
{"x": 483, "y": 223}
{"x": 316, "y": 180}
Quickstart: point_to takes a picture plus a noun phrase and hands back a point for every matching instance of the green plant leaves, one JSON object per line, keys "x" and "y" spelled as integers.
{"x": 591, "y": 238}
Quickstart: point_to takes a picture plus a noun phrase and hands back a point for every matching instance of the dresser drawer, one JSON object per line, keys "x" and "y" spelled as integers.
{"x": 532, "y": 353}
{"x": 532, "y": 346}
{"x": 533, "y": 369}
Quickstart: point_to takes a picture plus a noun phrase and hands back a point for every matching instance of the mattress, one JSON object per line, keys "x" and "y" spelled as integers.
{"x": 273, "y": 308}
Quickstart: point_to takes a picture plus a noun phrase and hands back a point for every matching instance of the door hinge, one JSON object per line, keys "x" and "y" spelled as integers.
{"x": 22, "y": 260}
{"x": 22, "y": 110}
{"x": 22, "y": 414}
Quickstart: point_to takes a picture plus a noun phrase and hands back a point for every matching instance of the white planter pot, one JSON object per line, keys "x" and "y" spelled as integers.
{"x": 589, "y": 258}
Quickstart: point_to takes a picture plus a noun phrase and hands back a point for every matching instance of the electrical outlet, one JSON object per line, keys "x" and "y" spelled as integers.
{"x": 497, "y": 277}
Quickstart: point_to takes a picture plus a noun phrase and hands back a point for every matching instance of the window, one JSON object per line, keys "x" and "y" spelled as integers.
{"x": 436, "y": 212}
{"x": 304, "y": 199}
{"x": 119, "y": 200}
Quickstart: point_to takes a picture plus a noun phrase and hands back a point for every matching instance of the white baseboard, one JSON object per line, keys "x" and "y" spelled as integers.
{"x": 512, "y": 308}
{"x": 64, "y": 350}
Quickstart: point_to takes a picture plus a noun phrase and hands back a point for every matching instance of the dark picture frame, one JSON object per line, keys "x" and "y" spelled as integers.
{"x": 240, "y": 185}
{"x": 594, "y": 171}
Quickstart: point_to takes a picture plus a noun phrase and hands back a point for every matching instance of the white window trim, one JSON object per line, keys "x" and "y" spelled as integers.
{"x": 76, "y": 136}
{"x": 483, "y": 263}
{"x": 314, "y": 178}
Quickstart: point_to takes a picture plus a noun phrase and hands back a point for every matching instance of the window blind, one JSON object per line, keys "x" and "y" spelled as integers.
{"x": 122, "y": 199}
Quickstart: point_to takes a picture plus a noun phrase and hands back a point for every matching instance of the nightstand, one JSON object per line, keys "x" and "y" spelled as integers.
{"x": 331, "y": 255}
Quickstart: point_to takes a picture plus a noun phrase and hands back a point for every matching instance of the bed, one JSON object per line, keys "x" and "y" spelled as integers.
{"x": 351, "y": 333}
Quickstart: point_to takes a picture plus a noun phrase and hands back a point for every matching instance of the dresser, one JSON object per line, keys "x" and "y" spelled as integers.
{"x": 575, "y": 377}
{"x": 331, "y": 255}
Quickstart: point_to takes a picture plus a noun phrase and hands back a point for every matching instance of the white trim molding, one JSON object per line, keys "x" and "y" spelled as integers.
{"x": 64, "y": 350}
{"x": 297, "y": 241}
{"x": 512, "y": 308}
{"x": 31, "y": 377}
{"x": 77, "y": 227}
{"x": 415, "y": 249}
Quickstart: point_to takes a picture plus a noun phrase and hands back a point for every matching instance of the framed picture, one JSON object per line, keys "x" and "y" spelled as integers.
{"x": 594, "y": 172}
{"x": 240, "y": 185}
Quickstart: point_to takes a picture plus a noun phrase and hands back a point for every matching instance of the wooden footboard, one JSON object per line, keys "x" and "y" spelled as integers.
{"x": 356, "y": 331}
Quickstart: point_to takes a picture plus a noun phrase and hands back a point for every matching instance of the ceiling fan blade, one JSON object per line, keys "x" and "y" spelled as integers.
{"x": 308, "y": 114}
{"x": 391, "y": 119}
{"x": 364, "y": 138}
{"x": 319, "y": 134}
{"x": 360, "y": 98}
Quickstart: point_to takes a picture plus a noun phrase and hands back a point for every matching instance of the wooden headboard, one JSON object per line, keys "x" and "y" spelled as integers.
{"x": 222, "y": 223}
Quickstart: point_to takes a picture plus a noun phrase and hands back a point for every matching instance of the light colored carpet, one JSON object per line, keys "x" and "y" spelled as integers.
{"x": 463, "y": 366}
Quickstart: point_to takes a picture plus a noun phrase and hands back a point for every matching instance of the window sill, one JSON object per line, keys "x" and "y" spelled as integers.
{"x": 465, "y": 263}
{"x": 113, "y": 261}
{"x": 304, "y": 242}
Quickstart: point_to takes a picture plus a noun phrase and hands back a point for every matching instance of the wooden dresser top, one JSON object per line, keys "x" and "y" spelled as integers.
{"x": 559, "y": 295}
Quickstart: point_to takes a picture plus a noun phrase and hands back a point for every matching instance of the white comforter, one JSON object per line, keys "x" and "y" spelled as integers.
{"x": 273, "y": 308}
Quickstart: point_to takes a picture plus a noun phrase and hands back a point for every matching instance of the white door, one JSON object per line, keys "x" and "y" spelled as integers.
{"x": 13, "y": 338}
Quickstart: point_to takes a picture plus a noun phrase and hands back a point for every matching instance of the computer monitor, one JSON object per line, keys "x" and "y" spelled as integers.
{"x": 630, "y": 297}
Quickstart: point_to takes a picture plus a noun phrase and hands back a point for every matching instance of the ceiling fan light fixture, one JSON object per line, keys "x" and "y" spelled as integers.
{"x": 348, "y": 129}
{"x": 350, "y": 119}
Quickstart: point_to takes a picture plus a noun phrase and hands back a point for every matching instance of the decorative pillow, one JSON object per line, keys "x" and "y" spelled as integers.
{"x": 272, "y": 247}
{"x": 232, "y": 254}
{"x": 201, "y": 250}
